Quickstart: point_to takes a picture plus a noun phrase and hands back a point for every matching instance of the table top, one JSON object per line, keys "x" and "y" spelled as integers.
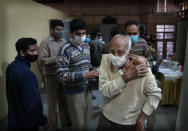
{"x": 170, "y": 74}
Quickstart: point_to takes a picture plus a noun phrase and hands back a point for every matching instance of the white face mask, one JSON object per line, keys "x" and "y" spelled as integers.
{"x": 117, "y": 61}
{"x": 79, "y": 40}
{"x": 100, "y": 39}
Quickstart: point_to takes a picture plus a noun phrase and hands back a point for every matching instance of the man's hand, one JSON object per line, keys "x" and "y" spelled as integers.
{"x": 141, "y": 121}
{"x": 134, "y": 71}
{"x": 91, "y": 74}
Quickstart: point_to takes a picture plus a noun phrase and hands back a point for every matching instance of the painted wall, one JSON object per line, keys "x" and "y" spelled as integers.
{"x": 93, "y": 11}
{"x": 182, "y": 117}
{"x": 182, "y": 27}
{"x": 21, "y": 18}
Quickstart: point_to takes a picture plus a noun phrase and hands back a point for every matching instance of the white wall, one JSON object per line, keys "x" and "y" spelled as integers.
{"x": 21, "y": 18}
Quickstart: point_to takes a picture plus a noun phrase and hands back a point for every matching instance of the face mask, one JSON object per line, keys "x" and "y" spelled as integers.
{"x": 117, "y": 61}
{"x": 134, "y": 38}
{"x": 100, "y": 39}
{"x": 59, "y": 34}
{"x": 88, "y": 40}
{"x": 31, "y": 58}
{"x": 79, "y": 40}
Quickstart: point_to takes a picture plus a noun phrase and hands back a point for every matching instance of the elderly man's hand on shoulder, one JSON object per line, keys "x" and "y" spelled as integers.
{"x": 135, "y": 68}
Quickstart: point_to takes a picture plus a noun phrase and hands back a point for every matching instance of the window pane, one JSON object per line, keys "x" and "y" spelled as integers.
{"x": 160, "y": 35}
{"x": 170, "y": 26}
{"x": 169, "y": 50}
{"x": 160, "y": 30}
{"x": 159, "y": 50}
{"x": 160, "y": 26}
{"x": 170, "y": 30}
{"x": 169, "y": 36}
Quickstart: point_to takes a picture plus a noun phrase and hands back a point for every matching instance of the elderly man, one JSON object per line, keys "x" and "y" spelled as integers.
{"x": 129, "y": 90}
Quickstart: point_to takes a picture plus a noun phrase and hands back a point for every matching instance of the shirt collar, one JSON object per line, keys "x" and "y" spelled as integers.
{"x": 52, "y": 38}
{"x": 21, "y": 58}
{"x": 78, "y": 46}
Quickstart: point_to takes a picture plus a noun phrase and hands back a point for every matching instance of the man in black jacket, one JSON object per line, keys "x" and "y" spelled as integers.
{"x": 95, "y": 48}
{"x": 25, "y": 110}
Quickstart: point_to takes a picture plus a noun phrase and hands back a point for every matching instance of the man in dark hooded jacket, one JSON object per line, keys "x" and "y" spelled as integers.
{"x": 25, "y": 110}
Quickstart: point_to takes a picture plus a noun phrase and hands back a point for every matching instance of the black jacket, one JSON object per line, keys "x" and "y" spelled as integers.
{"x": 24, "y": 102}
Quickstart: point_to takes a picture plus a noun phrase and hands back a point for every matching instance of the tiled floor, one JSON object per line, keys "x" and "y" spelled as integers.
{"x": 163, "y": 120}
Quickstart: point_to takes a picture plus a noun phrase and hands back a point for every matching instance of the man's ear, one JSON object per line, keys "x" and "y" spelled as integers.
{"x": 131, "y": 51}
{"x": 22, "y": 53}
{"x": 71, "y": 35}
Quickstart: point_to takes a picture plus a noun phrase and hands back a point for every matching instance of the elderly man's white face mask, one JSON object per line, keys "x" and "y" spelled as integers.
{"x": 119, "y": 61}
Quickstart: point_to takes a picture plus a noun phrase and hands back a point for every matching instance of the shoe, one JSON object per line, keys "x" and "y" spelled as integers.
{"x": 67, "y": 125}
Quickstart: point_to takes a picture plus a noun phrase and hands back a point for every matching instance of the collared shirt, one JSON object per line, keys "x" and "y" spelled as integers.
{"x": 47, "y": 55}
{"x": 78, "y": 46}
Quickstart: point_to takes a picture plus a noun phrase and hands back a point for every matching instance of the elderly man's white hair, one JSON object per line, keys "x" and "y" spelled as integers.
{"x": 124, "y": 37}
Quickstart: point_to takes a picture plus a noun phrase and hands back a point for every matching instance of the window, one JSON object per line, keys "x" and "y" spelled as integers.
{"x": 161, "y": 6}
{"x": 159, "y": 50}
{"x": 165, "y": 35}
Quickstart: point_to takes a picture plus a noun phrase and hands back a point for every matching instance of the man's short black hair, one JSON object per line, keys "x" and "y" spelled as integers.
{"x": 56, "y": 22}
{"x": 77, "y": 24}
{"x": 24, "y": 43}
{"x": 114, "y": 31}
{"x": 95, "y": 33}
{"x": 131, "y": 22}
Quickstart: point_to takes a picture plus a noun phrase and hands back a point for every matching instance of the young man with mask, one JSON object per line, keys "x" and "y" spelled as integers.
{"x": 47, "y": 58}
{"x": 139, "y": 45}
{"x": 88, "y": 39}
{"x": 130, "y": 93}
{"x": 25, "y": 110}
{"x": 95, "y": 48}
{"x": 73, "y": 65}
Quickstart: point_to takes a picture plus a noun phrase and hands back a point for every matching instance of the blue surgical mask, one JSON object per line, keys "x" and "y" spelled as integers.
{"x": 134, "y": 38}
{"x": 88, "y": 40}
{"x": 59, "y": 34}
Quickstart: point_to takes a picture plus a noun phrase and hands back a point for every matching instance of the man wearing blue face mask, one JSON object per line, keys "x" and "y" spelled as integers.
{"x": 47, "y": 58}
{"x": 88, "y": 39}
{"x": 139, "y": 45}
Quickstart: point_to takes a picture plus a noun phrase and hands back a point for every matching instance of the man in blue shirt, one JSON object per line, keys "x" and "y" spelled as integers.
{"x": 25, "y": 110}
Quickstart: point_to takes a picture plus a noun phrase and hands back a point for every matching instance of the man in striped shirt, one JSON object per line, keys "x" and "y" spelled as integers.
{"x": 139, "y": 45}
{"x": 73, "y": 71}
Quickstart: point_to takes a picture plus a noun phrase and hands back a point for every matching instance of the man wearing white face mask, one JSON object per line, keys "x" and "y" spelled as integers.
{"x": 73, "y": 65}
{"x": 130, "y": 93}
